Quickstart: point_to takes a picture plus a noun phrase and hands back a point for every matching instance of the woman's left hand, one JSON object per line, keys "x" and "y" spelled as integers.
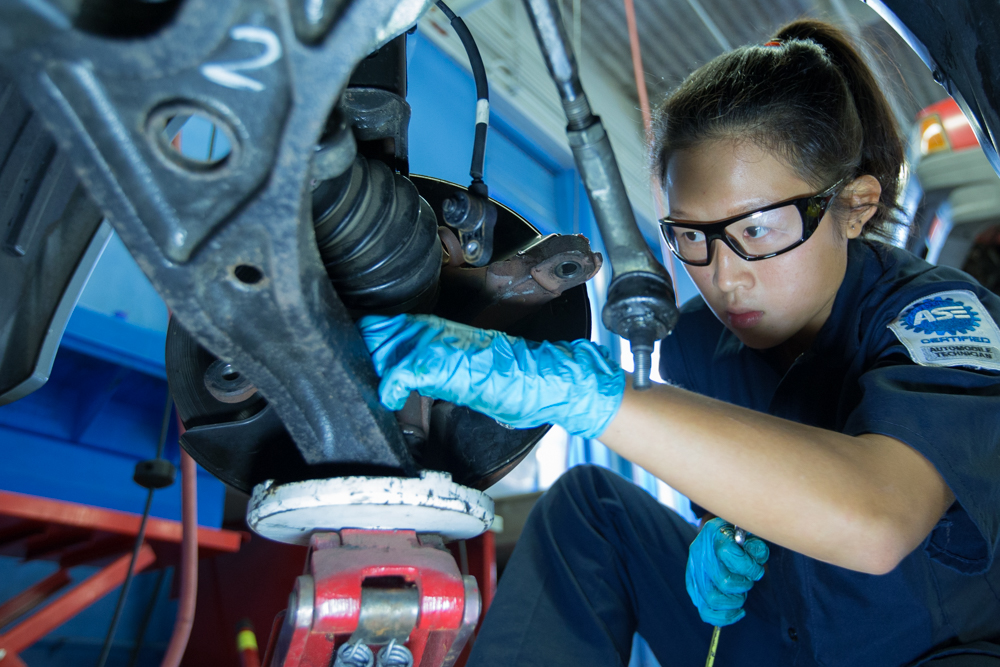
{"x": 518, "y": 382}
{"x": 720, "y": 572}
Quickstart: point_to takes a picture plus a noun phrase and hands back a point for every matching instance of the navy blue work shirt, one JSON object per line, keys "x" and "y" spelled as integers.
{"x": 859, "y": 377}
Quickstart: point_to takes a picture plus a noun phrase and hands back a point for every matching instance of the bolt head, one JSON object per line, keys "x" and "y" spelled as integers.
{"x": 456, "y": 208}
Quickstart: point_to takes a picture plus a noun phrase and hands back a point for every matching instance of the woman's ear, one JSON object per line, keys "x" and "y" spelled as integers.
{"x": 863, "y": 194}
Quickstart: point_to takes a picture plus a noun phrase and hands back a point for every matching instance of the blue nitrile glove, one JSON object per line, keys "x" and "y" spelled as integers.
{"x": 520, "y": 383}
{"x": 720, "y": 572}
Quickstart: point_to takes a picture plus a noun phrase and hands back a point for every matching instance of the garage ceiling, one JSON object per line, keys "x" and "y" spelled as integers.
{"x": 676, "y": 36}
{"x": 679, "y": 35}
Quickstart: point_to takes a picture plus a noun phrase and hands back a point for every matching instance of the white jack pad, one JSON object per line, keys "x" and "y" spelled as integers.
{"x": 431, "y": 503}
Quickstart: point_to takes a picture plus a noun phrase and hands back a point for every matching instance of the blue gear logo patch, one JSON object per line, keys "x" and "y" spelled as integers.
{"x": 942, "y": 316}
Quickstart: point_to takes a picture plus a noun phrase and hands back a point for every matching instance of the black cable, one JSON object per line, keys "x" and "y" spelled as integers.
{"x": 120, "y": 606}
{"x": 168, "y": 407}
{"x": 140, "y": 636}
{"x": 106, "y": 649}
{"x": 482, "y": 98}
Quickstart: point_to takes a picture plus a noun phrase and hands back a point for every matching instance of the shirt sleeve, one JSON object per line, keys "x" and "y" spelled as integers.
{"x": 673, "y": 370}
{"x": 952, "y": 417}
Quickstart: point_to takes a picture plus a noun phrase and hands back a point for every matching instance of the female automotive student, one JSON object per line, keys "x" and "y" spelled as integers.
{"x": 837, "y": 397}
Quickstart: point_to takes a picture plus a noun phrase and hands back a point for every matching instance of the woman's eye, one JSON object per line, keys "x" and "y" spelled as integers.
{"x": 692, "y": 237}
{"x": 756, "y": 232}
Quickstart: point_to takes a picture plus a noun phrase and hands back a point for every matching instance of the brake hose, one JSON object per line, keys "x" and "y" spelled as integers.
{"x": 478, "y": 186}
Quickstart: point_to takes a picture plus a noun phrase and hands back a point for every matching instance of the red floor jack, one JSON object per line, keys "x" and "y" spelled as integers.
{"x": 379, "y": 587}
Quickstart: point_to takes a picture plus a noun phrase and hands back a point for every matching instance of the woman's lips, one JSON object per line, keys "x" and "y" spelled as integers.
{"x": 746, "y": 319}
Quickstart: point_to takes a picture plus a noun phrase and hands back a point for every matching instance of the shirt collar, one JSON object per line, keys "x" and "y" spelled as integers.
{"x": 864, "y": 267}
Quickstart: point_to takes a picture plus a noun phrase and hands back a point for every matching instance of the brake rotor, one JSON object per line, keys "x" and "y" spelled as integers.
{"x": 234, "y": 434}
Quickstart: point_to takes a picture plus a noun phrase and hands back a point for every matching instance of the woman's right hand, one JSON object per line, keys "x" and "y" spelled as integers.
{"x": 520, "y": 383}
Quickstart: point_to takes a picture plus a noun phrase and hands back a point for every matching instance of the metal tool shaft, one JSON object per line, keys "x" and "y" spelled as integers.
{"x": 640, "y": 305}
{"x": 712, "y": 646}
{"x": 740, "y": 537}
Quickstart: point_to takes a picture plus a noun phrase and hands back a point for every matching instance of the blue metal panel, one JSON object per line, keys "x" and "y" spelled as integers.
{"x": 42, "y": 466}
{"x": 79, "y": 437}
{"x": 118, "y": 287}
{"x": 522, "y": 183}
{"x": 115, "y": 340}
{"x": 82, "y": 392}
{"x": 511, "y": 122}
{"x": 442, "y": 96}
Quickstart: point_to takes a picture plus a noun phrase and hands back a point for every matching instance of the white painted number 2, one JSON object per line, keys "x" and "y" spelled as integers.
{"x": 228, "y": 74}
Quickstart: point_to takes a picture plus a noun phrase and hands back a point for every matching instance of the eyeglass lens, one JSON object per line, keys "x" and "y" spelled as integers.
{"x": 762, "y": 233}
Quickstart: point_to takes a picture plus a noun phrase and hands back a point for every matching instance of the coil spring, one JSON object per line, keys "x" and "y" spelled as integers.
{"x": 395, "y": 655}
{"x": 354, "y": 655}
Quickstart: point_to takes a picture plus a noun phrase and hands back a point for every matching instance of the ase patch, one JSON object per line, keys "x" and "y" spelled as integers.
{"x": 950, "y": 328}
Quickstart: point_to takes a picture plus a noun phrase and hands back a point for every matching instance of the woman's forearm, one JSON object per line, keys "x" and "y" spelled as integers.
{"x": 859, "y": 502}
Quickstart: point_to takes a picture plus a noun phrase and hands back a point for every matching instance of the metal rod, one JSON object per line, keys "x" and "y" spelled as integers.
{"x": 640, "y": 305}
{"x": 713, "y": 647}
{"x": 626, "y": 247}
{"x": 559, "y": 58}
{"x": 710, "y": 24}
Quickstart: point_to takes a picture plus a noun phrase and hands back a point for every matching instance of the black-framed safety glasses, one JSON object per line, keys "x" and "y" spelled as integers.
{"x": 761, "y": 234}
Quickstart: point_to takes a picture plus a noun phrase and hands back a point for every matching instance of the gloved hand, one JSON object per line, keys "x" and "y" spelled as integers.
{"x": 720, "y": 572}
{"x": 520, "y": 383}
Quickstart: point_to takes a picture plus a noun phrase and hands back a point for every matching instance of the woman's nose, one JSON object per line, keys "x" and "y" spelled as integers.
{"x": 731, "y": 271}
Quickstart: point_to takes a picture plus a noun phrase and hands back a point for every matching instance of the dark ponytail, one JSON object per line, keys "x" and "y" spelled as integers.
{"x": 808, "y": 96}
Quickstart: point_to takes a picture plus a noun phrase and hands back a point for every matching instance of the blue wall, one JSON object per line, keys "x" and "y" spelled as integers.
{"x": 79, "y": 437}
{"x": 442, "y": 96}
{"x": 119, "y": 289}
